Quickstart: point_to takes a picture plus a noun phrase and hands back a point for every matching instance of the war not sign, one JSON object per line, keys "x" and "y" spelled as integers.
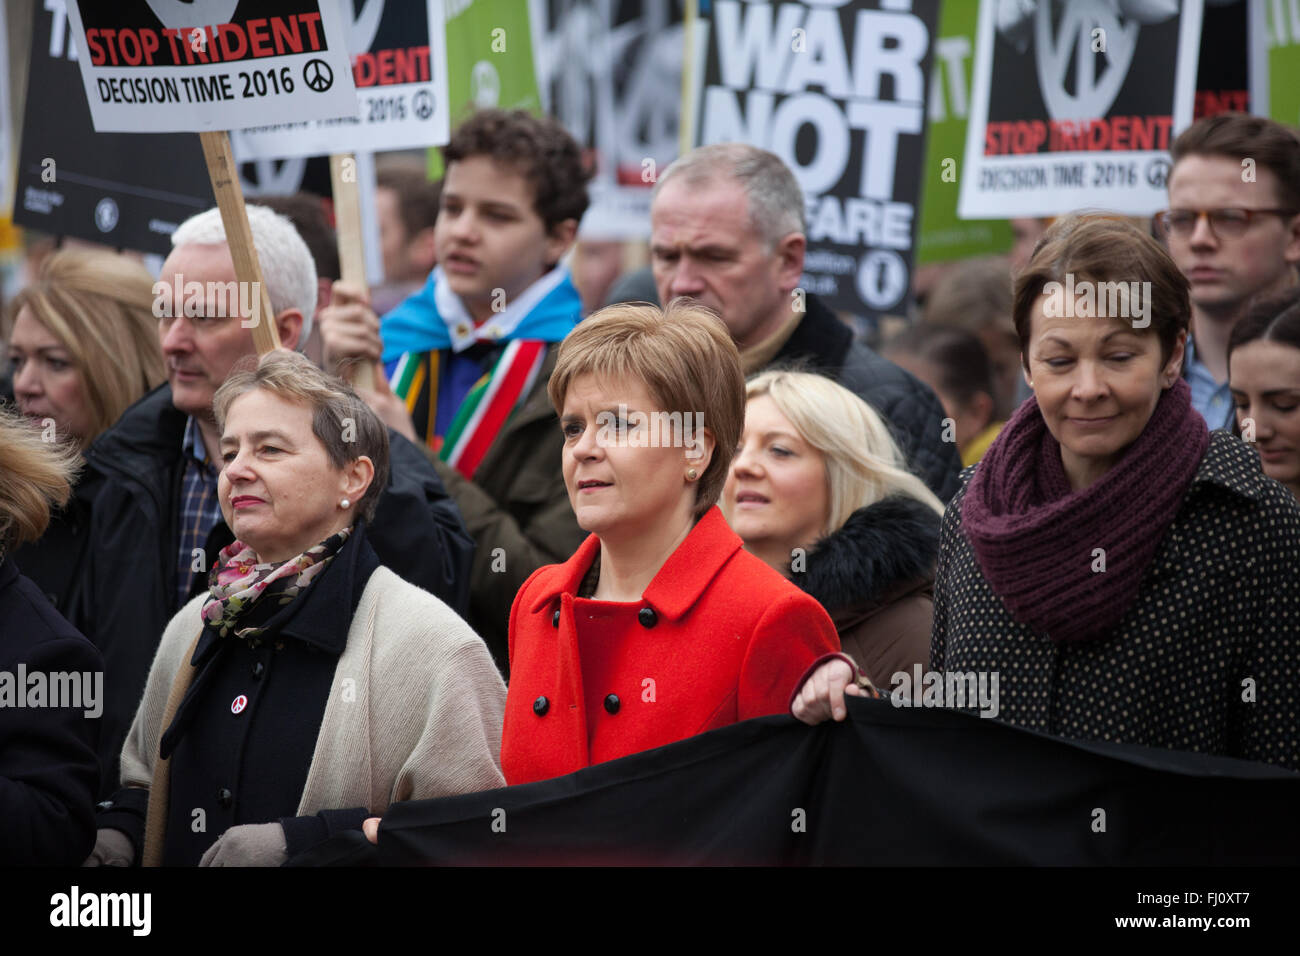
{"x": 205, "y": 65}
{"x": 399, "y": 68}
{"x": 838, "y": 92}
{"x": 1077, "y": 105}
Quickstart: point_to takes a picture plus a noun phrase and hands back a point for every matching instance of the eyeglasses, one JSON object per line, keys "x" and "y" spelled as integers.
{"x": 1224, "y": 223}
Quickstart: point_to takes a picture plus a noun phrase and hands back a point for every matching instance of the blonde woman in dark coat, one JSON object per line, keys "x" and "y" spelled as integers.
{"x": 820, "y": 491}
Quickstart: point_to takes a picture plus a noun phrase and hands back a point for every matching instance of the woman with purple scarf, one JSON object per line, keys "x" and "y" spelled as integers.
{"x": 1127, "y": 575}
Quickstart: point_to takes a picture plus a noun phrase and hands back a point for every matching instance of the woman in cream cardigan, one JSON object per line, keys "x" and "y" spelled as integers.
{"x": 311, "y": 686}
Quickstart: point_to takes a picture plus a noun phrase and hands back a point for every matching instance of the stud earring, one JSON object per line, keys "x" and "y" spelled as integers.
{"x": 345, "y": 504}
{"x": 692, "y": 474}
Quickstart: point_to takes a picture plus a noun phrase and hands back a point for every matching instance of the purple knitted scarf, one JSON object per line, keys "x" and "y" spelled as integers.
{"x": 1035, "y": 539}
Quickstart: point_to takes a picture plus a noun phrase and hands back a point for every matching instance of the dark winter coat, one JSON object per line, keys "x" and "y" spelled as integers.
{"x": 49, "y": 772}
{"x": 1206, "y": 659}
{"x": 129, "y": 591}
{"x": 822, "y": 343}
{"x": 54, "y": 563}
{"x": 875, "y": 577}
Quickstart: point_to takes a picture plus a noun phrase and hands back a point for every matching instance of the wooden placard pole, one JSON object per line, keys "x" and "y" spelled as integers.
{"x": 230, "y": 200}
{"x": 347, "y": 228}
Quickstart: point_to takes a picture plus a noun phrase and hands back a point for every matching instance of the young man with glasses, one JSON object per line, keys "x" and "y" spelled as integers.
{"x": 1233, "y": 228}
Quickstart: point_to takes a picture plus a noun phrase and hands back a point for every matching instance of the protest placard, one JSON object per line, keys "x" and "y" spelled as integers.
{"x": 1275, "y": 59}
{"x": 1075, "y": 105}
{"x": 943, "y": 235}
{"x": 171, "y": 66}
{"x": 603, "y": 71}
{"x": 1223, "y": 67}
{"x": 839, "y": 95}
{"x": 130, "y": 191}
{"x": 490, "y": 56}
{"x": 399, "y": 67}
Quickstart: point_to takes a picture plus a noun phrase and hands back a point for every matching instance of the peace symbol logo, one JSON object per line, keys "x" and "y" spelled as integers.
{"x": 1094, "y": 92}
{"x": 1158, "y": 172}
{"x": 423, "y": 104}
{"x": 238, "y": 704}
{"x": 317, "y": 75}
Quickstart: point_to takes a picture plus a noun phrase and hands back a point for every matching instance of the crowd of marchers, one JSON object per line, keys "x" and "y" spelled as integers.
{"x": 310, "y": 599}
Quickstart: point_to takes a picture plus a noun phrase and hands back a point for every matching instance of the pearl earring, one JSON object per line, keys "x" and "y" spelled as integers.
{"x": 691, "y": 474}
{"x": 345, "y": 504}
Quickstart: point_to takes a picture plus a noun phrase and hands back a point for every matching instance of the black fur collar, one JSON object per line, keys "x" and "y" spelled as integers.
{"x": 880, "y": 547}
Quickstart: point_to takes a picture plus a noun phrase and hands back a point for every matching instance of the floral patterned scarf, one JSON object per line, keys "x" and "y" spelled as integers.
{"x": 245, "y": 595}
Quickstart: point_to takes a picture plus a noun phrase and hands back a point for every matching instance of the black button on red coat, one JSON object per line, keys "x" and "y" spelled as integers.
{"x": 612, "y": 704}
{"x": 555, "y": 618}
{"x": 541, "y": 705}
{"x": 647, "y": 617}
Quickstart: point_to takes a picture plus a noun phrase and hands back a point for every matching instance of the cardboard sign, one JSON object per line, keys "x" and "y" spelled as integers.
{"x": 156, "y": 66}
{"x": 603, "y": 71}
{"x": 839, "y": 95}
{"x": 1075, "y": 105}
{"x": 399, "y": 66}
{"x": 126, "y": 190}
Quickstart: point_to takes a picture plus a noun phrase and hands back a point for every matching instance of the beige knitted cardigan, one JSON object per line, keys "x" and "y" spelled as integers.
{"x": 414, "y": 711}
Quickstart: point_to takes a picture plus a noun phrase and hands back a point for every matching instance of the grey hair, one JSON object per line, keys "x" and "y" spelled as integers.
{"x": 776, "y": 204}
{"x": 287, "y": 266}
{"x": 334, "y": 406}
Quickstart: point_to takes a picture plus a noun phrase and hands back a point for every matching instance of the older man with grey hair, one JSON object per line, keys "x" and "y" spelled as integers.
{"x": 727, "y": 229}
{"x": 156, "y": 524}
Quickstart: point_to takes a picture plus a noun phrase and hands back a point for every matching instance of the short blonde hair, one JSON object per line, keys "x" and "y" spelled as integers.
{"x": 35, "y": 477}
{"x": 334, "y": 405}
{"x": 684, "y": 356}
{"x": 863, "y": 462}
{"x": 99, "y": 305}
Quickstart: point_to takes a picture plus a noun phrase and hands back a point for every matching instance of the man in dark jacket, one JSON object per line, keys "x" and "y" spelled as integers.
{"x": 155, "y": 525}
{"x": 727, "y": 228}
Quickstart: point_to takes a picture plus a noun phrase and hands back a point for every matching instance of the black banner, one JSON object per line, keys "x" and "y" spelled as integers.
{"x": 890, "y": 786}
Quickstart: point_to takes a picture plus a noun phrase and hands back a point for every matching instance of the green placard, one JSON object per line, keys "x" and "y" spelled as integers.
{"x": 1283, "y": 32}
{"x": 489, "y": 61}
{"x": 944, "y": 237}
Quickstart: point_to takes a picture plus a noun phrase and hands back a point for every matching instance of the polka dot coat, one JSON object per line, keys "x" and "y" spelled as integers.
{"x": 1206, "y": 659}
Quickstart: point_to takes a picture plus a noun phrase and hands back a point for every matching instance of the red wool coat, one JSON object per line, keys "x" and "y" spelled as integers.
{"x": 717, "y": 638}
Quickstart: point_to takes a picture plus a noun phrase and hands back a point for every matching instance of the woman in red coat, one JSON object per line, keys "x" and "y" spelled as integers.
{"x": 661, "y": 626}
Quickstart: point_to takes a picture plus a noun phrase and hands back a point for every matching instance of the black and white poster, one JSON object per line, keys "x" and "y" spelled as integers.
{"x": 837, "y": 90}
{"x": 161, "y": 66}
{"x": 1076, "y": 104}
{"x": 129, "y": 190}
{"x": 399, "y": 66}
{"x": 609, "y": 70}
